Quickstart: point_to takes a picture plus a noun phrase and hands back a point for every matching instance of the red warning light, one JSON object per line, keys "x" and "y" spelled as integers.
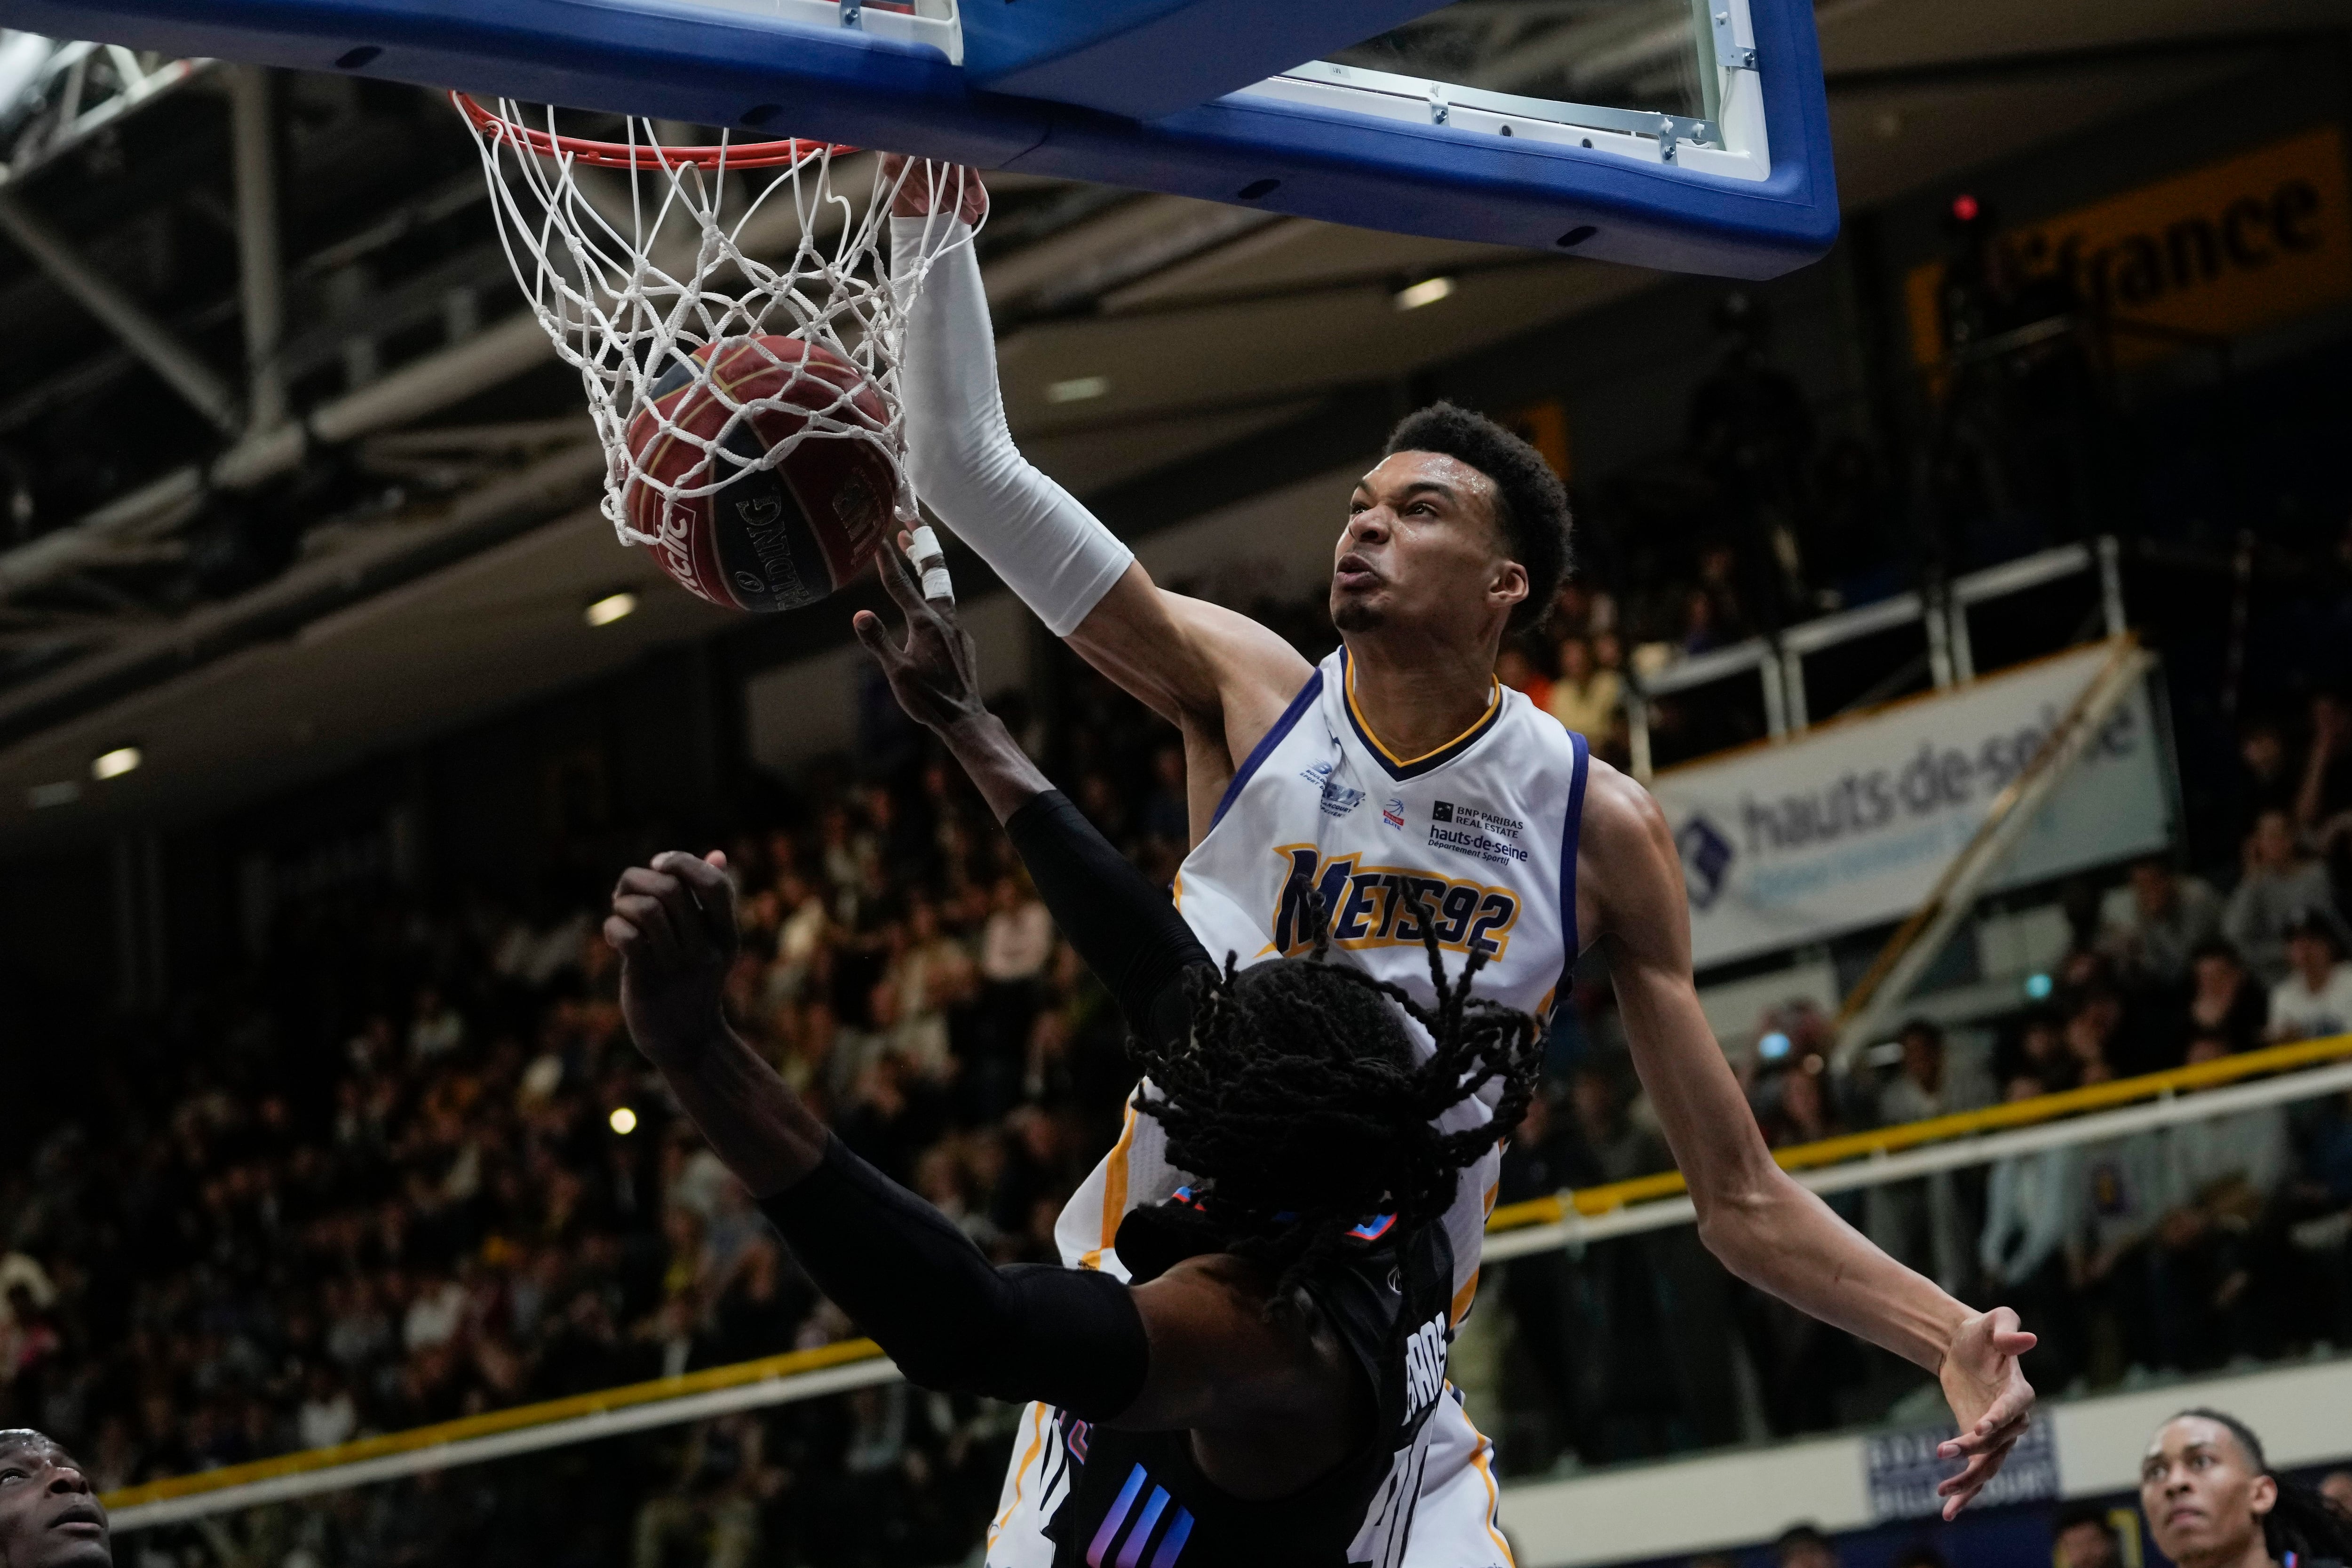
{"x": 1964, "y": 207}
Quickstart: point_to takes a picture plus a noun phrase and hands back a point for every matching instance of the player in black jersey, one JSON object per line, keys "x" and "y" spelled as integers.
{"x": 1258, "y": 1393}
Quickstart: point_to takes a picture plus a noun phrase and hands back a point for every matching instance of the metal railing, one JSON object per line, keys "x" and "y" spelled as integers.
{"x": 1651, "y": 1203}
{"x": 1778, "y": 663}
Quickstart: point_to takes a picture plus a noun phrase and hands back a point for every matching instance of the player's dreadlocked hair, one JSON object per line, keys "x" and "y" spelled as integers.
{"x": 1297, "y": 1102}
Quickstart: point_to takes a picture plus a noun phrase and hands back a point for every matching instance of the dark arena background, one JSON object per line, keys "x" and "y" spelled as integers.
{"x": 1976, "y": 600}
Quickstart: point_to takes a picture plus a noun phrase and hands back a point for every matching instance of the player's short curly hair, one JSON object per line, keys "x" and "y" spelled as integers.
{"x": 1530, "y": 503}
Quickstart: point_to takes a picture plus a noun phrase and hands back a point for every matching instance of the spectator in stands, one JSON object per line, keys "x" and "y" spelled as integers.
{"x": 2224, "y": 999}
{"x": 2219, "y": 1176}
{"x": 800, "y": 938}
{"x": 1918, "y": 1554}
{"x": 1918, "y": 1221}
{"x": 2265, "y": 780}
{"x": 715, "y": 1501}
{"x": 2085, "y": 1537}
{"x": 1515, "y": 670}
{"x": 2119, "y": 1196}
{"x": 2325, "y": 790}
{"x": 2336, "y": 1485}
{"x": 1542, "y": 1158}
{"x": 1581, "y": 610}
{"x": 2091, "y": 1029}
{"x": 2157, "y": 920}
{"x": 929, "y": 975}
{"x": 1165, "y": 815}
{"x": 1617, "y": 1146}
{"x": 2022, "y": 1252}
{"x": 1803, "y": 1546}
{"x": 2279, "y": 882}
{"x": 1015, "y": 942}
{"x": 1585, "y": 697}
{"x": 2037, "y": 1048}
{"x": 2316, "y": 997}
{"x": 1702, "y": 630}
{"x": 1799, "y": 1110}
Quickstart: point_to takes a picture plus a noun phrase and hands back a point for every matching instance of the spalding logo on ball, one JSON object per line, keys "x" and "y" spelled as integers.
{"x": 773, "y": 538}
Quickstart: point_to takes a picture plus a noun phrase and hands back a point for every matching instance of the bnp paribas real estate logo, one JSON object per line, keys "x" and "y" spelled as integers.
{"x": 1706, "y": 859}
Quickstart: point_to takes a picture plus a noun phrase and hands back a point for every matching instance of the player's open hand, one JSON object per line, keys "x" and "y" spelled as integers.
{"x": 1990, "y": 1398}
{"x": 673, "y": 923}
{"x": 921, "y": 186}
{"x": 935, "y": 672}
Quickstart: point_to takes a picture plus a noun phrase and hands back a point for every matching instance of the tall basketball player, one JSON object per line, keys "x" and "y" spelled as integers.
{"x": 1397, "y": 775}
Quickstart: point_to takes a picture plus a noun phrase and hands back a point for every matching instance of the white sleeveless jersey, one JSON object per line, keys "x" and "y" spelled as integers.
{"x": 1483, "y": 833}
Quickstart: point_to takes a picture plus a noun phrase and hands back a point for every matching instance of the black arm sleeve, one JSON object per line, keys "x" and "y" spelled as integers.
{"x": 905, "y": 1275}
{"x": 1128, "y": 931}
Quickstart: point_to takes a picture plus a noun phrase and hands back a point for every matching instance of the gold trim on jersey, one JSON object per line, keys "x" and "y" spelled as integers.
{"x": 1493, "y": 1495}
{"x": 1021, "y": 1471}
{"x": 1114, "y": 1206}
{"x": 1435, "y": 753}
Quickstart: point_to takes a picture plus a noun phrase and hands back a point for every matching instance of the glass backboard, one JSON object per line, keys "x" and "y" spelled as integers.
{"x": 1668, "y": 133}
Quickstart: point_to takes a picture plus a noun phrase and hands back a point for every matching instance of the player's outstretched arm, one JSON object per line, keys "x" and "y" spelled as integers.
{"x": 1766, "y": 1227}
{"x": 1220, "y": 676}
{"x": 1127, "y": 930}
{"x": 1276, "y": 1407}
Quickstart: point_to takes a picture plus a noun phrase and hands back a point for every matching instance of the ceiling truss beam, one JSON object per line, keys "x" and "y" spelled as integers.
{"x": 125, "y": 316}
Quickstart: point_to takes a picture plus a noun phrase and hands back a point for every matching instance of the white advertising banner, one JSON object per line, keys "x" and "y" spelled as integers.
{"x": 1850, "y": 825}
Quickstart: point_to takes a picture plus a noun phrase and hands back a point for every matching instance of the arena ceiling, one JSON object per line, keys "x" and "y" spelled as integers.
{"x": 258, "y": 579}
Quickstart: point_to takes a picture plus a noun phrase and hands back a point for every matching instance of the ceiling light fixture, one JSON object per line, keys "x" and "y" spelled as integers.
{"x": 113, "y": 764}
{"x": 1078, "y": 389}
{"x": 623, "y": 1120}
{"x": 1428, "y": 291}
{"x": 610, "y": 608}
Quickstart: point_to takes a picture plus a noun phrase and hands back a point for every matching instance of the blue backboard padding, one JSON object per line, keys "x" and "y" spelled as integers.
{"x": 1141, "y": 59}
{"x": 715, "y": 66}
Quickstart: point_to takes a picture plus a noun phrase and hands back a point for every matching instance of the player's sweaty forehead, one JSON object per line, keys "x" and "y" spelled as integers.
{"x": 2181, "y": 1438}
{"x": 1402, "y": 475}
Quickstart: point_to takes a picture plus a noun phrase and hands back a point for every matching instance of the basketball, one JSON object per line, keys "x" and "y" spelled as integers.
{"x": 773, "y": 538}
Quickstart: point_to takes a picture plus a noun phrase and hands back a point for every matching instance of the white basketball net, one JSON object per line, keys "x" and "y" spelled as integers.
{"x": 636, "y": 254}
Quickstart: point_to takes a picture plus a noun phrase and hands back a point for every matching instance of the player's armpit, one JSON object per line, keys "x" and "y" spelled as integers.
{"x": 1198, "y": 665}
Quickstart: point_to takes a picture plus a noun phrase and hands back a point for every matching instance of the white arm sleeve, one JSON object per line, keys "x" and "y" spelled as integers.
{"x": 1051, "y": 551}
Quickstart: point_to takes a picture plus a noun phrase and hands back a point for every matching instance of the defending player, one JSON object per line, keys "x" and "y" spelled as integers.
{"x": 49, "y": 1515}
{"x": 1257, "y": 1390}
{"x": 1398, "y": 770}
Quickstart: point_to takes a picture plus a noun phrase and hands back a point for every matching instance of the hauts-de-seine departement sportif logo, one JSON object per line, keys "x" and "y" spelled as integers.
{"x": 1706, "y": 860}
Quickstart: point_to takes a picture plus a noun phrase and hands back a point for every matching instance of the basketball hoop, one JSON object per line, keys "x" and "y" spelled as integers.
{"x": 639, "y": 275}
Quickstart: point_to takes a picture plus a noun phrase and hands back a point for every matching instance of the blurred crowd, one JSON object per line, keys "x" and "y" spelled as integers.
{"x": 411, "y": 1168}
{"x": 2216, "y": 1242}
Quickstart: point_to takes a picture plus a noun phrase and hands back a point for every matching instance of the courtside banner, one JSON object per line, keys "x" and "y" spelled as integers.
{"x": 1850, "y": 825}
